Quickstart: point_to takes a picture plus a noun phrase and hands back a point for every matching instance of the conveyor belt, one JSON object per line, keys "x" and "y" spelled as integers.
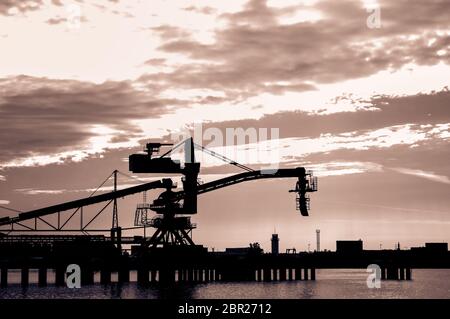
{"x": 165, "y": 183}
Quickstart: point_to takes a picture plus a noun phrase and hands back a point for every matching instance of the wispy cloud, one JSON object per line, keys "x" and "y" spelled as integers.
{"x": 385, "y": 221}
{"x": 285, "y": 149}
{"x": 32, "y": 191}
{"x": 343, "y": 168}
{"x": 423, "y": 174}
{"x": 387, "y": 208}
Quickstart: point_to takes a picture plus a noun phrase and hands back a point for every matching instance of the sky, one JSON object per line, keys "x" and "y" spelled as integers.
{"x": 357, "y": 91}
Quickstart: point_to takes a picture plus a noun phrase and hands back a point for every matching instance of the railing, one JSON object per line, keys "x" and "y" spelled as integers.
{"x": 49, "y": 238}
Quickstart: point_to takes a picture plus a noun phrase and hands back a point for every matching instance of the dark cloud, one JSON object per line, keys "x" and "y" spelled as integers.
{"x": 60, "y": 20}
{"x": 20, "y": 5}
{"x": 156, "y": 61}
{"x": 24, "y": 6}
{"x": 57, "y": 20}
{"x": 169, "y": 32}
{"x": 380, "y": 112}
{"x": 40, "y": 116}
{"x": 202, "y": 10}
{"x": 255, "y": 52}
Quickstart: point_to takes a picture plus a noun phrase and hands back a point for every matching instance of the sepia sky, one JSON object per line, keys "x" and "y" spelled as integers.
{"x": 358, "y": 90}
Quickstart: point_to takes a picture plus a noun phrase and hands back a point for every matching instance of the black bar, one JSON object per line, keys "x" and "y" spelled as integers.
{"x": 266, "y": 308}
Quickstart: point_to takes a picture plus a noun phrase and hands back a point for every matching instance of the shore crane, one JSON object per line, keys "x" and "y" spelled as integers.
{"x": 173, "y": 208}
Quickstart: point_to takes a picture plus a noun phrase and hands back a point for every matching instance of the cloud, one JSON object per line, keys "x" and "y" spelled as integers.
{"x": 56, "y": 20}
{"x": 2, "y": 178}
{"x": 4, "y": 202}
{"x": 202, "y": 10}
{"x": 255, "y": 53}
{"x": 11, "y": 7}
{"x": 42, "y": 118}
{"x": 343, "y": 168}
{"x": 32, "y": 191}
{"x": 298, "y": 151}
{"x": 376, "y": 113}
{"x": 423, "y": 174}
{"x": 387, "y": 137}
{"x": 60, "y": 20}
{"x": 159, "y": 61}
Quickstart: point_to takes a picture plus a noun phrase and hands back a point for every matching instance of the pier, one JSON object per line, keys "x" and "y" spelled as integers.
{"x": 195, "y": 264}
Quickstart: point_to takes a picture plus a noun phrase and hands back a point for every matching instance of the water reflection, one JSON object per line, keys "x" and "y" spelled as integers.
{"x": 329, "y": 284}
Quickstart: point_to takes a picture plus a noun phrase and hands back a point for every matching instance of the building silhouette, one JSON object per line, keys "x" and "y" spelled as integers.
{"x": 275, "y": 244}
{"x": 318, "y": 239}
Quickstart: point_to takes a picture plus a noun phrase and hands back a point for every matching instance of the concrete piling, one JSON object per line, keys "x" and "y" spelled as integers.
{"x": 143, "y": 276}
{"x": 402, "y": 273}
{"x": 124, "y": 275}
{"x": 25, "y": 276}
{"x": 60, "y": 276}
{"x": 267, "y": 274}
{"x": 282, "y": 274}
{"x": 290, "y": 274}
{"x": 154, "y": 275}
{"x": 42, "y": 277}
{"x": 4, "y": 277}
{"x": 87, "y": 276}
{"x": 383, "y": 273}
{"x": 298, "y": 274}
{"x": 105, "y": 276}
{"x": 313, "y": 273}
{"x": 408, "y": 273}
{"x": 392, "y": 273}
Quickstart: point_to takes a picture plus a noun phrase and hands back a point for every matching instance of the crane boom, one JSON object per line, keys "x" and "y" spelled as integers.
{"x": 164, "y": 183}
{"x": 246, "y": 176}
{"x": 306, "y": 183}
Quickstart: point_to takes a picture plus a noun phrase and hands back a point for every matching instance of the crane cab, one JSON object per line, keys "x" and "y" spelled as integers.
{"x": 145, "y": 163}
{"x": 142, "y": 163}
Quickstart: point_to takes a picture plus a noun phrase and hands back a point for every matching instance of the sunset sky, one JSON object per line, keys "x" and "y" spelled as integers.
{"x": 84, "y": 84}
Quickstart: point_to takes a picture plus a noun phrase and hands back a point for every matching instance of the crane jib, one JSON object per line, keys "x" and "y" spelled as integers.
{"x": 246, "y": 176}
{"x": 165, "y": 183}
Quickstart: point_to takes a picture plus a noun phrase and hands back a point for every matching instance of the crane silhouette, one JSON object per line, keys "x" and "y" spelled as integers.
{"x": 172, "y": 223}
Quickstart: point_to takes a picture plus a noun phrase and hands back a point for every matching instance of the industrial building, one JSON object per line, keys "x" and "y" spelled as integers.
{"x": 349, "y": 246}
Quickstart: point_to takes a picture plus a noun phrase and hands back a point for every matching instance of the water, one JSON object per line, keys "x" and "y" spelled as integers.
{"x": 330, "y": 283}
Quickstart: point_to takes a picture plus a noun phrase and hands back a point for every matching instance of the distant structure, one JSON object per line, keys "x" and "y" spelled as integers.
{"x": 237, "y": 251}
{"x": 275, "y": 244}
{"x": 291, "y": 251}
{"x": 318, "y": 239}
{"x": 252, "y": 248}
{"x": 436, "y": 247}
{"x": 433, "y": 248}
{"x": 349, "y": 246}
